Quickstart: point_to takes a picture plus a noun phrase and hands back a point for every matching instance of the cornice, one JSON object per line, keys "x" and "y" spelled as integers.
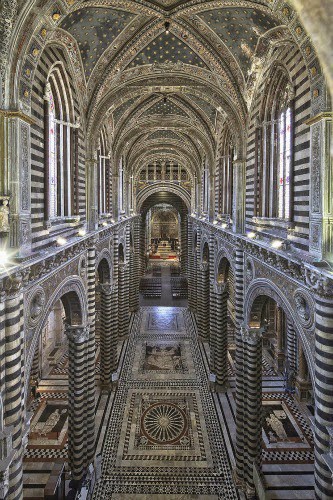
{"x": 6, "y": 113}
{"x": 290, "y": 265}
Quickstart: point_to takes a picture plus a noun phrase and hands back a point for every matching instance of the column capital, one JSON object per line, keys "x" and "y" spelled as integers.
{"x": 204, "y": 266}
{"x": 77, "y": 334}
{"x": 107, "y": 288}
{"x": 13, "y": 284}
{"x": 219, "y": 288}
{"x": 252, "y": 335}
{"x": 321, "y": 283}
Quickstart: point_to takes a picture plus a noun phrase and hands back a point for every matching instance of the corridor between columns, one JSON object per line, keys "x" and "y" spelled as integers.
{"x": 164, "y": 437}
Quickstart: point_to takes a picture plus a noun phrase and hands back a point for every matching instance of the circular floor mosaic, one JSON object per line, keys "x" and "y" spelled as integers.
{"x": 163, "y": 423}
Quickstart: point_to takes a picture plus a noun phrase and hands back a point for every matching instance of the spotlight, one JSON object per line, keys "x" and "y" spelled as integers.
{"x": 251, "y": 235}
{"x": 224, "y": 225}
{"x": 82, "y": 232}
{"x": 167, "y": 27}
{"x": 104, "y": 224}
{"x": 61, "y": 241}
{"x": 276, "y": 244}
{"x": 215, "y": 222}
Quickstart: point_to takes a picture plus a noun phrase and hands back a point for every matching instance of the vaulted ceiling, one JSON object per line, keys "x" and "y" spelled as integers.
{"x": 165, "y": 75}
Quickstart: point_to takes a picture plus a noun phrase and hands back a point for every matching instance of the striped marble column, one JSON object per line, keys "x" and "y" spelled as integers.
{"x": 203, "y": 300}
{"x": 239, "y": 363}
{"x": 14, "y": 415}
{"x": 142, "y": 247}
{"x": 184, "y": 242}
{"x": 78, "y": 424}
{"x": 221, "y": 336}
{"x": 122, "y": 319}
{"x": 323, "y": 397}
{"x": 114, "y": 325}
{"x": 291, "y": 347}
{"x": 126, "y": 305}
{"x": 91, "y": 356}
{"x": 107, "y": 353}
{"x": 240, "y": 410}
{"x": 252, "y": 348}
{"x": 135, "y": 276}
{"x": 212, "y": 327}
{"x": 191, "y": 274}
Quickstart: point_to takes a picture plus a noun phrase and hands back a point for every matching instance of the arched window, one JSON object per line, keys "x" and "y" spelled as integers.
{"x": 225, "y": 181}
{"x": 61, "y": 140}
{"x": 103, "y": 175}
{"x": 273, "y": 151}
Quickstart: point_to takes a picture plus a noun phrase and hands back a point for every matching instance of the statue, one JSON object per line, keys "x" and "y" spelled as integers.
{"x": 301, "y": 307}
{"x": 37, "y": 306}
{"x": 4, "y": 216}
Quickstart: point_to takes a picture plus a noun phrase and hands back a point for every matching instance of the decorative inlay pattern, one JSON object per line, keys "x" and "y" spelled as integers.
{"x": 165, "y": 438}
{"x": 164, "y": 423}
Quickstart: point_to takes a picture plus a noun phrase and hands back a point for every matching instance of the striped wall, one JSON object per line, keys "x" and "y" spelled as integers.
{"x": 40, "y": 236}
{"x": 292, "y": 59}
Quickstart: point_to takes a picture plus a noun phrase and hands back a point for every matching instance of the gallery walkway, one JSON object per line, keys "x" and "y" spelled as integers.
{"x": 163, "y": 436}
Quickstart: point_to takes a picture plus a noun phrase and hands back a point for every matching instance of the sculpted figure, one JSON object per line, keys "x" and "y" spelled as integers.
{"x": 4, "y": 216}
{"x": 36, "y": 307}
{"x": 302, "y": 308}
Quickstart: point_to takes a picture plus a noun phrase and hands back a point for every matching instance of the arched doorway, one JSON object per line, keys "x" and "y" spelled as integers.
{"x": 273, "y": 425}
{"x": 62, "y": 383}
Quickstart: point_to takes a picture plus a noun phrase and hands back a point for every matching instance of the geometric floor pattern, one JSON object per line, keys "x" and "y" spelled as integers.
{"x": 163, "y": 435}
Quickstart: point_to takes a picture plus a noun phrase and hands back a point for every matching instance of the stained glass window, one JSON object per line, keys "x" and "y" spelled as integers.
{"x": 284, "y": 165}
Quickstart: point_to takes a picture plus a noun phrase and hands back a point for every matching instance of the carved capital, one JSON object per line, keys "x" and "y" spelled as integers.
{"x": 107, "y": 288}
{"x": 220, "y": 288}
{"x": 77, "y": 334}
{"x": 13, "y": 284}
{"x": 252, "y": 335}
{"x": 323, "y": 285}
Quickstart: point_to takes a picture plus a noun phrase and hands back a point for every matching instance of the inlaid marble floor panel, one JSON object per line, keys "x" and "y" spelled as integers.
{"x": 163, "y": 438}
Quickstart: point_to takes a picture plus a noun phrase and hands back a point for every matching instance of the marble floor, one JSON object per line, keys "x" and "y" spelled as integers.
{"x": 163, "y": 437}
{"x": 163, "y": 434}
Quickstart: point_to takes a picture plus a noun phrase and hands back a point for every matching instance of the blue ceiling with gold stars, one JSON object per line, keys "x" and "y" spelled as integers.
{"x": 207, "y": 108}
{"x": 164, "y": 134}
{"x": 167, "y": 48}
{"x": 164, "y": 108}
{"x": 239, "y": 29}
{"x": 95, "y": 29}
{"x": 121, "y": 110}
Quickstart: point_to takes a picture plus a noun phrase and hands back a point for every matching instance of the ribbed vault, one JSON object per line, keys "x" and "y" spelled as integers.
{"x": 164, "y": 78}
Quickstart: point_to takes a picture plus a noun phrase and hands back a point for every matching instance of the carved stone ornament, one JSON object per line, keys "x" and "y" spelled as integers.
{"x": 249, "y": 270}
{"x": 4, "y": 214}
{"x": 252, "y": 335}
{"x": 77, "y": 334}
{"x": 36, "y": 306}
{"x": 304, "y": 308}
{"x": 4, "y": 483}
{"x": 83, "y": 268}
